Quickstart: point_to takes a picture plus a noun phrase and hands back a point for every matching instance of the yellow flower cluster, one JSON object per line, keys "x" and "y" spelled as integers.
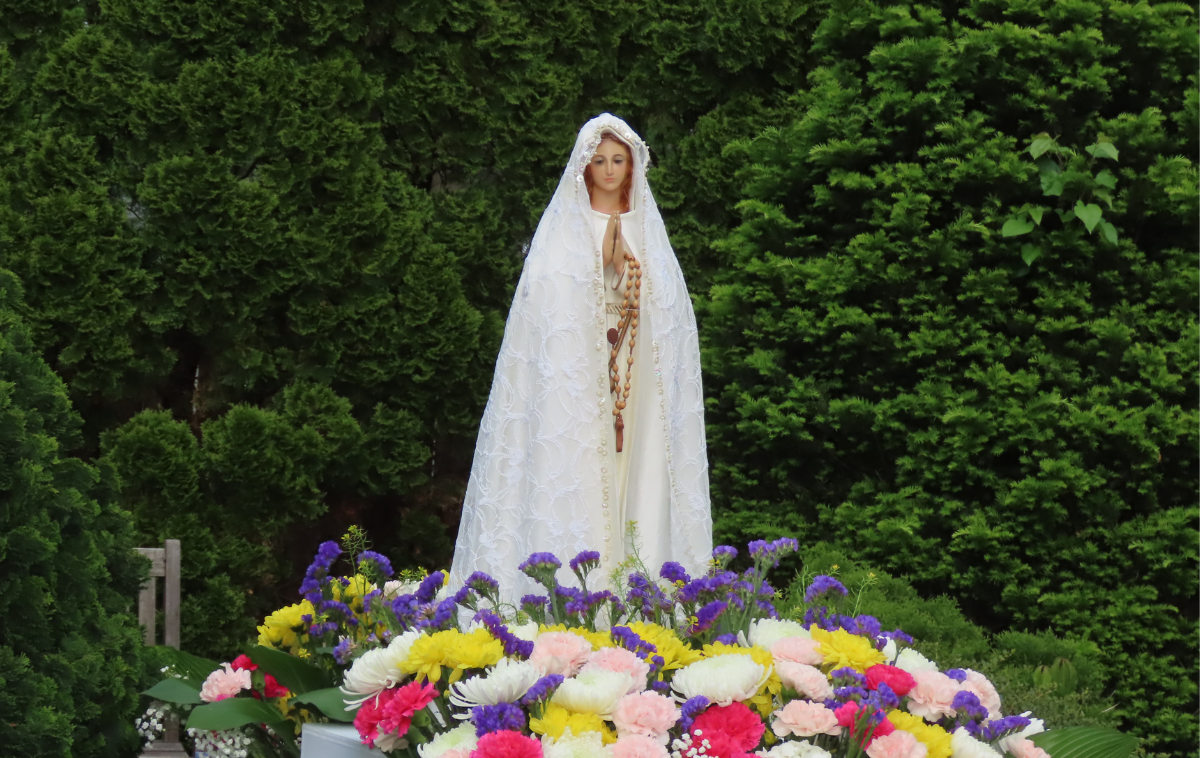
{"x": 841, "y": 648}
{"x": 281, "y": 629}
{"x": 935, "y": 739}
{"x": 675, "y": 653}
{"x": 762, "y": 702}
{"x": 557, "y": 720}
{"x": 453, "y": 650}
{"x": 353, "y": 593}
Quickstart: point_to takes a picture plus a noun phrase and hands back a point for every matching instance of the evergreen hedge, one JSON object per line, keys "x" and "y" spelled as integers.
{"x": 900, "y": 358}
{"x": 68, "y": 574}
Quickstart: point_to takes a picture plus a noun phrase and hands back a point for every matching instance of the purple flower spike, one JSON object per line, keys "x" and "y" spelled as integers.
{"x": 540, "y": 560}
{"x": 691, "y": 709}
{"x": 496, "y": 718}
{"x": 822, "y": 585}
{"x": 370, "y": 556}
{"x": 585, "y": 561}
{"x": 430, "y": 586}
{"x": 542, "y": 689}
{"x": 673, "y": 572}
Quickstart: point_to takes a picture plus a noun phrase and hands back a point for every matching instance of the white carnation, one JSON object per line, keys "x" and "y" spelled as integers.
{"x": 527, "y": 631}
{"x": 586, "y": 745}
{"x": 797, "y": 749}
{"x": 889, "y": 650}
{"x": 593, "y": 691}
{"x": 377, "y": 669}
{"x": 461, "y": 737}
{"x": 963, "y": 745}
{"x": 506, "y": 682}
{"x": 395, "y": 588}
{"x": 723, "y": 679}
{"x": 1036, "y": 726}
{"x": 766, "y": 632}
{"x": 912, "y": 661}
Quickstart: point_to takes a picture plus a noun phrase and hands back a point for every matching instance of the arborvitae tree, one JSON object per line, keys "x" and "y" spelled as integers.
{"x": 68, "y": 573}
{"x": 969, "y": 352}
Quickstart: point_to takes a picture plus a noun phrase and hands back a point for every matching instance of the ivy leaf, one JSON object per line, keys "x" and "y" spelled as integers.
{"x": 1035, "y": 212}
{"x": 1102, "y": 150}
{"x": 1108, "y": 231}
{"x": 1052, "y": 184}
{"x": 1040, "y": 144}
{"x": 1015, "y": 227}
{"x": 1030, "y": 253}
{"x": 1106, "y": 179}
{"x": 1089, "y": 214}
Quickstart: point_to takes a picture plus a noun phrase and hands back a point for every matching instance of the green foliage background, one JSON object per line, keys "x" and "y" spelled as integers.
{"x": 269, "y": 247}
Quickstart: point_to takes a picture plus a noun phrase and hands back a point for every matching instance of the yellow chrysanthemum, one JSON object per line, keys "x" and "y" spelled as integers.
{"x": 557, "y": 720}
{"x": 676, "y": 654}
{"x": 771, "y": 688}
{"x": 841, "y": 648}
{"x": 454, "y": 650}
{"x": 598, "y": 639}
{"x": 352, "y": 594}
{"x": 935, "y": 738}
{"x": 281, "y": 629}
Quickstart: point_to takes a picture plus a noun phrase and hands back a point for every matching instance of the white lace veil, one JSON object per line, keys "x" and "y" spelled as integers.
{"x": 539, "y": 481}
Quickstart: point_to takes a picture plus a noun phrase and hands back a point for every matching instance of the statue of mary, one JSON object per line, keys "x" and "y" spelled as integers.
{"x": 596, "y": 415}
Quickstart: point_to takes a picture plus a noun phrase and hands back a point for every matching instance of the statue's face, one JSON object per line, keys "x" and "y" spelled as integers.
{"x": 610, "y": 165}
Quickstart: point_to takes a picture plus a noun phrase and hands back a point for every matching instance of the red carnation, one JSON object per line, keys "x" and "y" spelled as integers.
{"x": 271, "y": 687}
{"x": 243, "y": 662}
{"x": 400, "y": 709}
{"x": 898, "y": 679}
{"x": 370, "y": 713}
{"x": 730, "y": 730}
{"x": 507, "y": 744}
{"x": 848, "y": 714}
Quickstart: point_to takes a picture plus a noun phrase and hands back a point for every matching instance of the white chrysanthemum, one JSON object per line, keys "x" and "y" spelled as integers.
{"x": 506, "y": 682}
{"x": 723, "y": 680}
{"x": 595, "y": 691}
{"x": 963, "y": 745}
{"x": 461, "y": 737}
{"x": 377, "y": 669}
{"x": 912, "y": 661}
{"x": 1036, "y": 726}
{"x": 766, "y": 632}
{"x": 797, "y": 749}
{"x": 586, "y": 745}
{"x": 527, "y": 631}
{"x": 395, "y": 588}
{"x": 889, "y": 650}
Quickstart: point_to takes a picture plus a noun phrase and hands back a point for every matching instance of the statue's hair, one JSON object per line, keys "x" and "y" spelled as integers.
{"x": 627, "y": 185}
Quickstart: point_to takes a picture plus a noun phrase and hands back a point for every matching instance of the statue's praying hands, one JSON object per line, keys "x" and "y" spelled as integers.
{"x": 614, "y": 245}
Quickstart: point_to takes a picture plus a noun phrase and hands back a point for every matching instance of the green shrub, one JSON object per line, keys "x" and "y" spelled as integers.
{"x": 68, "y": 574}
{"x": 885, "y": 370}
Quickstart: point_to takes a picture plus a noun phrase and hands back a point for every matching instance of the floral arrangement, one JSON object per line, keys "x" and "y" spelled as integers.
{"x": 677, "y": 667}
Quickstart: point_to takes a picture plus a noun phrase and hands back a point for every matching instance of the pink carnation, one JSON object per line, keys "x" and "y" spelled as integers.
{"x": 224, "y": 682}
{"x": 621, "y": 661}
{"x": 805, "y": 719}
{"x": 645, "y": 714}
{"x": 899, "y": 680}
{"x": 366, "y": 721}
{"x": 798, "y": 650}
{"x": 847, "y": 714}
{"x": 459, "y": 753}
{"x": 399, "y": 711}
{"x": 932, "y": 696}
{"x": 637, "y": 746}
{"x": 507, "y": 744}
{"x": 805, "y": 679}
{"x": 983, "y": 689}
{"x": 560, "y": 653}
{"x": 730, "y": 729}
{"x": 898, "y": 744}
{"x": 1022, "y": 747}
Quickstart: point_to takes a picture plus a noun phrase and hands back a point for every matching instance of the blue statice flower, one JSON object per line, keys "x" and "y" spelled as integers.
{"x": 539, "y": 561}
{"x": 886, "y": 696}
{"x": 769, "y": 553}
{"x": 970, "y": 711}
{"x": 726, "y": 639}
{"x": 662, "y": 688}
{"x": 822, "y": 619}
{"x": 542, "y": 689}
{"x": 483, "y": 584}
{"x": 707, "y": 616}
{"x": 723, "y": 554}
{"x": 898, "y": 636}
{"x": 866, "y": 626}
{"x": 674, "y": 572}
{"x": 430, "y": 586}
{"x": 513, "y": 645}
{"x": 690, "y": 710}
{"x": 631, "y": 641}
{"x": 768, "y": 609}
{"x": 656, "y": 662}
{"x": 646, "y": 595}
{"x": 442, "y": 616}
{"x": 846, "y": 694}
{"x": 465, "y": 597}
{"x": 585, "y": 561}
{"x": 957, "y": 675}
{"x": 382, "y": 564}
{"x": 318, "y": 571}
{"x": 321, "y": 629}
{"x": 371, "y": 598}
{"x": 497, "y": 718}
{"x": 848, "y": 676}
{"x": 823, "y": 585}
{"x": 343, "y": 651}
{"x": 997, "y": 728}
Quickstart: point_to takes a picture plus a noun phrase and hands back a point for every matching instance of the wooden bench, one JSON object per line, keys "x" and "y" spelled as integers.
{"x": 165, "y": 564}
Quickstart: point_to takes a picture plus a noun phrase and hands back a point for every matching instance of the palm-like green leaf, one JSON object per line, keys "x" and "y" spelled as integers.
{"x": 1086, "y": 742}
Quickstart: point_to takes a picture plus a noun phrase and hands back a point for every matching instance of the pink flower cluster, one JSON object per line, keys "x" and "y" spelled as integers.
{"x": 388, "y": 717}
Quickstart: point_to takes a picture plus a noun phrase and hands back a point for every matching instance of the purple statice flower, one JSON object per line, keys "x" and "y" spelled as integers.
{"x": 768, "y": 609}
{"x": 898, "y": 636}
{"x": 538, "y": 561}
{"x": 707, "y": 616}
{"x": 662, "y": 688}
{"x": 406, "y": 609}
{"x": 318, "y": 570}
{"x": 483, "y": 584}
{"x": 444, "y": 615}
{"x": 770, "y": 552}
{"x": 846, "y": 694}
{"x": 821, "y": 618}
{"x": 321, "y": 629}
{"x": 766, "y": 590}
{"x": 727, "y": 639}
{"x": 573, "y": 600}
{"x": 957, "y": 675}
{"x": 736, "y": 600}
{"x": 343, "y": 650}
{"x": 886, "y": 696}
{"x": 533, "y": 604}
{"x": 847, "y": 675}
{"x": 307, "y": 618}
{"x": 690, "y": 710}
{"x": 822, "y": 585}
{"x": 465, "y": 597}
{"x": 585, "y": 561}
{"x": 430, "y": 586}
{"x": 381, "y": 562}
{"x": 970, "y": 711}
{"x": 656, "y": 662}
{"x": 997, "y": 728}
{"x": 629, "y": 639}
{"x": 723, "y": 554}
{"x": 371, "y": 598}
{"x": 673, "y": 572}
{"x": 542, "y": 689}
{"x": 335, "y": 606}
{"x": 497, "y": 718}
{"x": 513, "y": 645}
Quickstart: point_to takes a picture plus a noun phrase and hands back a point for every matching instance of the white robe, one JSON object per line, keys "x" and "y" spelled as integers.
{"x": 546, "y": 476}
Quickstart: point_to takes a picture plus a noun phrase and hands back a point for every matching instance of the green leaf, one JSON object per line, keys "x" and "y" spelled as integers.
{"x": 1035, "y": 213}
{"x": 1089, "y": 214}
{"x": 175, "y": 691}
{"x": 232, "y": 713}
{"x": 329, "y": 702}
{"x": 1030, "y": 253}
{"x": 1040, "y": 144}
{"x": 1109, "y": 232}
{"x": 191, "y": 666}
{"x": 297, "y": 675}
{"x": 1106, "y": 179}
{"x": 1086, "y": 742}
{"x": 1102, "y": 150}
{"x": 1052, "y": 185}
{"x": 1015, "y": 227}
